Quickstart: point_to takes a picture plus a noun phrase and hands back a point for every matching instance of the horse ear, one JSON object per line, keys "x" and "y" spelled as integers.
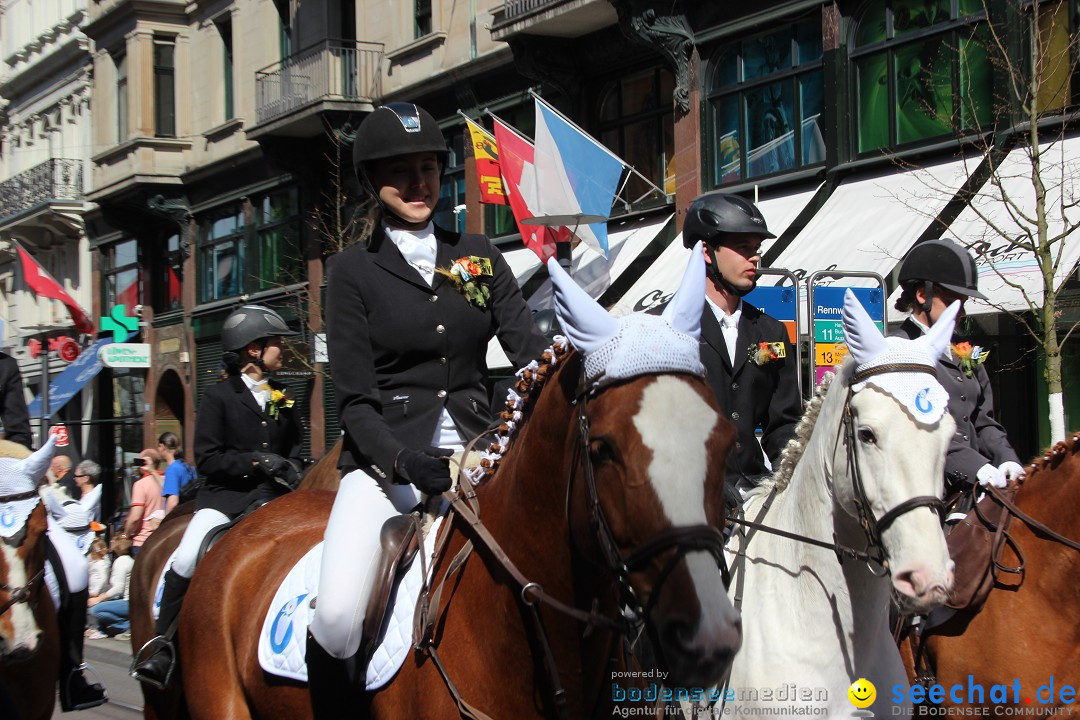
{"x": 864, "y": 340}
{"x": 941, "y": 333}
{"x": 584, "y": 321}
{"x": 36, "y": 465}
{"x": 683, "y": 313}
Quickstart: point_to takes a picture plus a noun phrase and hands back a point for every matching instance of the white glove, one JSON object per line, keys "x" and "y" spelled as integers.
{"x": 990, "y": 475}
{"x": 1011, "y": 470}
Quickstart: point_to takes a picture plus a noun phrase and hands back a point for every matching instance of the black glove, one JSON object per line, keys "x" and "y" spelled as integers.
{"x": 278, "y": 469}
{"x": 427, "y": 470}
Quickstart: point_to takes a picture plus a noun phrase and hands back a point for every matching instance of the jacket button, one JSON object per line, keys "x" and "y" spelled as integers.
{"x": 264, "y": 423}
{"x": 440, "y": 329}
{"x": 433, "y": 298}
{"x": 738, "y": 447}
{"x": 965, "y": 419}
{"x": 266, "y": 445}
{"x": 963, "y": 398}
{"x": 965, "y": 437}
{"x": 442, "y": 393}
{"x": 735, "y": 415}
{"x": 734, "y": 386}
{"x": 442, "y": 361}
{"x": 959, "y": 379}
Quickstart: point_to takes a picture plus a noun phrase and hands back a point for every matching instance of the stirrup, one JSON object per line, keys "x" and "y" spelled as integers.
{"x": 69, "y": 686}
{"x": 156, "y": 645}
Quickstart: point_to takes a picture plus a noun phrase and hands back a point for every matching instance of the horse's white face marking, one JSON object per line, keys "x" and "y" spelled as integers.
{"x": 22, "y": 618}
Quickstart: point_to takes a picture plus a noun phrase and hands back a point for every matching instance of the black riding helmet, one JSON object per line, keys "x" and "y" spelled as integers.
{"x": 940, "y": 262}
{"x": 395, "y": 129}
{"x": 715, "y": 215}
{"x": 247, "y": 324}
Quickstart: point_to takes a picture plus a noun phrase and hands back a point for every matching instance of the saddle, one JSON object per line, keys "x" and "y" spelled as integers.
{"x": 975, "y": 546}
{"x": 400, "y": 538}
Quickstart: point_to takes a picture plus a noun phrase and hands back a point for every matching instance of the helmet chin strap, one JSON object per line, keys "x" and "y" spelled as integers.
{"x": 928, "y": 290}
{"x": 718, "y": 277}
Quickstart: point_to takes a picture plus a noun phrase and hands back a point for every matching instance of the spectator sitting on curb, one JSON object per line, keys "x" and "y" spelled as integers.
{"x": 109, "y": 610}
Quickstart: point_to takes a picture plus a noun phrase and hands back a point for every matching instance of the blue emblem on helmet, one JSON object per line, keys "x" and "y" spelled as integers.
{"x": 922, "y": 401}
{"x": 281, "y": 630}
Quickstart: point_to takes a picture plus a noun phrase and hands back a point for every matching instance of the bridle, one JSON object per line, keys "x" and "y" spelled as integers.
{"x": 22, "y": 593}
{"x": 628, "y": 624}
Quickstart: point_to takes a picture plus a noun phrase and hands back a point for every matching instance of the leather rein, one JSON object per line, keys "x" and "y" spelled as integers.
{"x": 532, "y": 594}
{"x": 22, "y": 593}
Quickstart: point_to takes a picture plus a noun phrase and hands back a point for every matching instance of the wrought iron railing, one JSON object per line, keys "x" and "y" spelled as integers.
{"x": 55, "y": 179}
{"x": 513, "y": 9}
{"x": 329, "y": 70}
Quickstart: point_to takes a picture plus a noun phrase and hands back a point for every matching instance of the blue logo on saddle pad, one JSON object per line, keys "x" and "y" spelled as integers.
{"x": 281, "y": 630}
{"x": 922, "y": 401}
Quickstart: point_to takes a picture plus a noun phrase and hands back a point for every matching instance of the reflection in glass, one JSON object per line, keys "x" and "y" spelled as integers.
{"x": 767, "y": 54}
{"x": 769, "y": 129}
{"x": 924, "y": 104}
{"x": 872, "y": 83}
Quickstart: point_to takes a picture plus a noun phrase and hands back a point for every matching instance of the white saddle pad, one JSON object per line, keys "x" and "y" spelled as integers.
{"x": 283, "y": 640}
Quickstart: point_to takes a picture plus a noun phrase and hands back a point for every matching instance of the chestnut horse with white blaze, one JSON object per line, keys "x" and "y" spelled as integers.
{"x": 608, "y": 494}
{"x": 1028, "y": 628}
{"x": 29, "y": 633}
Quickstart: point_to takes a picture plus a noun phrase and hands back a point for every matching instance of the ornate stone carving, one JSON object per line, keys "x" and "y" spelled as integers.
{"x": 665, "y": 29}
{"x": 179, "y": 211}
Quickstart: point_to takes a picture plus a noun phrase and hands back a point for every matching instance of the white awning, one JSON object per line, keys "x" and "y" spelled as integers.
{"x": 626, "y": 240}
{"x": 1007, "y": 273}
{"x": 661, "y": 279}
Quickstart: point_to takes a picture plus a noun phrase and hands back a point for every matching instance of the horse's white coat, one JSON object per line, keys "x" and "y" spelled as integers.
{"x": 25, "y": 635}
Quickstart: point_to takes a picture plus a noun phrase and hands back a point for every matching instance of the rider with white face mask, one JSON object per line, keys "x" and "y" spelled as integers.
{"x": 407, "y": 348}
{"x": 935, "y": 274}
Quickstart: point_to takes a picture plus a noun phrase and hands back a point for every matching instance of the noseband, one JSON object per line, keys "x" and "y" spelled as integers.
{"x": 23, "y": 593}
{"x": 873, "y": 526}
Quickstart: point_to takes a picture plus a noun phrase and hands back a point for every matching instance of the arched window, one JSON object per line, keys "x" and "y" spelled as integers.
{"x": 920, "y": 71}
{"x": 764, "y": 104}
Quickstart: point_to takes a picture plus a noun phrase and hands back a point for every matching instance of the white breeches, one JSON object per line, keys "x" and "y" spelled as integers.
{"x": 76, "y": 566}
{"x": 187, "y": 554}
{"x": 350, "y": 554}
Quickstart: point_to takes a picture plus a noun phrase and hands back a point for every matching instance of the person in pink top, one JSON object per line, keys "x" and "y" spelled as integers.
{"x": 146, "y": 501}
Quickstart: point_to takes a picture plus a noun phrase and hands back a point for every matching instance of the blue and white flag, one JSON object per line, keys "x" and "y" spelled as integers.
{"x": 574, "y": 173}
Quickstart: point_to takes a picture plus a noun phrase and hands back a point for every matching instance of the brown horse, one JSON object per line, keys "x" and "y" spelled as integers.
{"x": 29, "y": 633}
{"x": 168, "y": 704}
{"x": 637, "y": 430}
{"x": 1028, "y": 629}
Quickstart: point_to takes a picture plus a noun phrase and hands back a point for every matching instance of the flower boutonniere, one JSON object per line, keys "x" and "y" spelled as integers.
{"x": 969, "y": 356}
{"x": 468, "y": 274}
{"x": 763, "y": 353}
{"x": 279, "y": 399}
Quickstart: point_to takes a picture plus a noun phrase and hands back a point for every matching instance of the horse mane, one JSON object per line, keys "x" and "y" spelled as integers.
{"x": 1054, "y": 456}
{"x": 519, "y": 401}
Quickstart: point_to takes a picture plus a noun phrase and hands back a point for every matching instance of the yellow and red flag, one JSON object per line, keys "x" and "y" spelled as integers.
{"x": 487, "y": 165}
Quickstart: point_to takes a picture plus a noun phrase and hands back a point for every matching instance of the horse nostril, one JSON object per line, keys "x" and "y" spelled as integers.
{"x": 677, "y": 634}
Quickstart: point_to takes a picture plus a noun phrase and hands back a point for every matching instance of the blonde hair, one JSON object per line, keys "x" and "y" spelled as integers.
{"x": 98, "y": 548}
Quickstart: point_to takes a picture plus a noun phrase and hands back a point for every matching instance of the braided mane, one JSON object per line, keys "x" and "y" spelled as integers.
{"x": 1054, "y": 456}
{"x": 519, "y": 400}
{"x": 796, "y": 446}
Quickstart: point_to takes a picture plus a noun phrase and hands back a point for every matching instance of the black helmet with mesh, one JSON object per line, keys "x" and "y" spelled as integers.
{"x": 715, "y": 214}
{"x": 249, "y": 323}
{"x": 941, "y": 262}
{"x": 395, "y": 129}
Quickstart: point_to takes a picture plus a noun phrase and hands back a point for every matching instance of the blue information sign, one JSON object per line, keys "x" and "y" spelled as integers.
{"x": 74, "y": 377}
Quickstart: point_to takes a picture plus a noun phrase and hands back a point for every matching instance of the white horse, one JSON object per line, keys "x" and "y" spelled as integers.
{"x": 869, "y": 485}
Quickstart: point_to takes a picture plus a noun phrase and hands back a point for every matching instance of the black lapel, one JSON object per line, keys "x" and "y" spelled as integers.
{"x": 447, "y": 250}
{"x": 244, "y": 394}
{"x": 748, "y": 331}
{"x": 713, "y": 334}
{"x": 389, "y": 258}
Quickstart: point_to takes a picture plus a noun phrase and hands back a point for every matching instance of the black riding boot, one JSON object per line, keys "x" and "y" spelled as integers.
{"x": 156, "y": 668}
{"x": 333, "y": 684}
{"x": 75, "y": 692}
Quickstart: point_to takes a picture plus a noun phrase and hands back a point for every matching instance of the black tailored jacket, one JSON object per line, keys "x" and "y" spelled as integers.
{"x": 400, "y": 351}
{"x": 753, "y": 396}
{"x": 979, "y": 438}
{"x": 229, "y": 429}
{"x": 16, "y": 418}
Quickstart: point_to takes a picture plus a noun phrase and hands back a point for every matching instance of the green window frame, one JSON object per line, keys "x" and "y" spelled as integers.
{"x": 164, "y": 86}
{"x": 120, "y": 63}
{"x": 765, "y": 100}
{"x": 422, "y": 15}
{"x": 920, "y": 72}
{"x": 225, "y": 29}
{"x": 121, "y": 275}
{"x": 221, "y": 253}
{"x": 277, "y": 257}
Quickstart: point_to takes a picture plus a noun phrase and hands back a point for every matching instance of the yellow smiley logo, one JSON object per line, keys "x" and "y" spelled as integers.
{"x": 862, "y": 693}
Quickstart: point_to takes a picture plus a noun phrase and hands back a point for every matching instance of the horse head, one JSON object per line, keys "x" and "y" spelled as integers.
{"x": 889, "y": 470}
{"x": 23, "y": 524}
{"x": 651, "y": 464}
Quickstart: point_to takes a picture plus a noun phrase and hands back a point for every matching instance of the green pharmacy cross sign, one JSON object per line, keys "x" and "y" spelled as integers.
{"x": 120, "y": 323}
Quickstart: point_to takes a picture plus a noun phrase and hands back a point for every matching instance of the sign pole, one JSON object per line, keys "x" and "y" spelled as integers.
{"x": 44, "y": 391}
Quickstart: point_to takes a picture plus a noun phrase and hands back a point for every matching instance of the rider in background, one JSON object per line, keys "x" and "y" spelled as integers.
{"x": 754, "y": 390}
{"x": 247, "y": 444}
{"x": 407, "y": 347}
{"x": 934, "y": 275}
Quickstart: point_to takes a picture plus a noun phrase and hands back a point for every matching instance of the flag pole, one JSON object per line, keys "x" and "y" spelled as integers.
{"x": 606, "y": 149}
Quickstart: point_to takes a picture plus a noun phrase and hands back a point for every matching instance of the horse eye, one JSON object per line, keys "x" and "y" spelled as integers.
{"x": 601, "y": 451}
{"x": 866, "y": 436}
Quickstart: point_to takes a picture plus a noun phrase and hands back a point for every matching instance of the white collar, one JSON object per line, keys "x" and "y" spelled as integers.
{"x": 720, "y": 313}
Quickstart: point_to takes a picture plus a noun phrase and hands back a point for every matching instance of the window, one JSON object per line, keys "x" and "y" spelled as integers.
{"x": 637, "y": 123}
{"x": 121, "y": 275}
{"x": 120, "y": 62}
{"x": 171, "y": 277}
{"x": 423, "y": 18}
{"x": 921, "y": 71}
{"x": 450, "y": 210}
{"x": 284, "y": 28}
{"x": 765, "y": 100}
{"x": 224, "y": 27}
{"x": 1051, "y": 39}
{"x": 164, "y": 87}
{"x": 249, "y": 246}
